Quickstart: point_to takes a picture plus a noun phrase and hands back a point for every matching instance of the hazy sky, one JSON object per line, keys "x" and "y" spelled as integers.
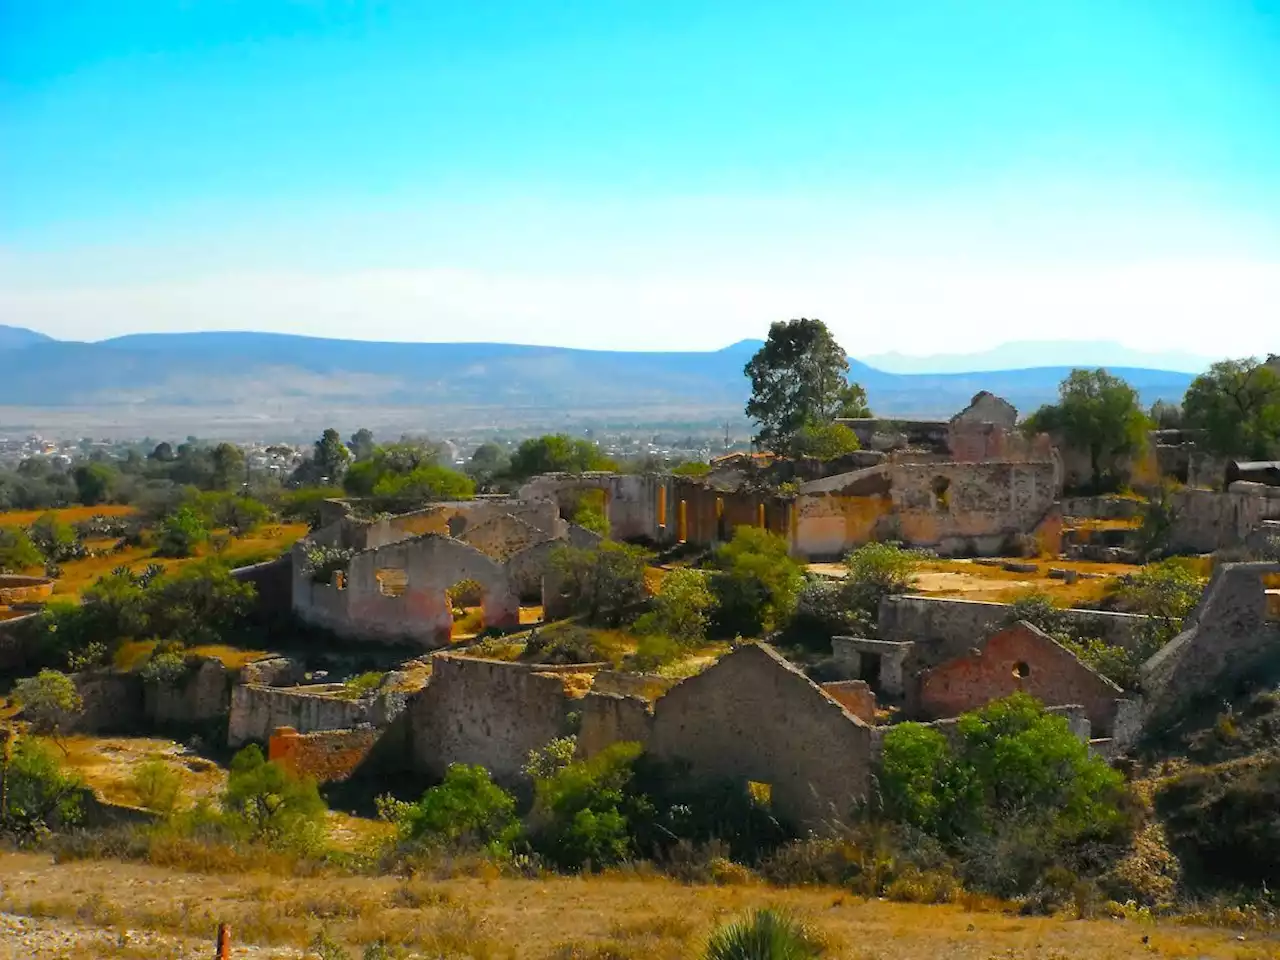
{"x": 925, "y": 175}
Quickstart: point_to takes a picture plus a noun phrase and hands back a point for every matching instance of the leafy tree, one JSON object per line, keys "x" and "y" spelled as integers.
{"x": 691, "y": 468}
{"x": 17, "y": 552}
{"x": 1165, "y": 593}
{"x": 228, "y": 466}
{"x": 755, "y": 584}
{"x": 591, "y": 512}
{"x": 1237, "y": 404}
{"x": 94, "y": 482}
{"x": 488, "y": 462}
{"x": 35, "y": 790}
{"x": 328, "y": 461}
{"x": 681, "y": 608}
{"x": 199, "y": 602}
{"x": 1165, "y": 415}
{"x": 361, "y": 444}
{"x": 430, "y": 482}
{"x": 468, "y": 807}
{"x": 269, "y": 803}
{"x": 180, "y": 533}
{"x": 604, "y": 583}
{"x": 879, "y": 570}
{"x": 1096, "y": 412}
{"x": 163, "y": 453}
{"x": 557, "y": 453}
{"x": 827, "y": 441}
{"x": 50, "y": 702}
{"x": 798, "y": 379}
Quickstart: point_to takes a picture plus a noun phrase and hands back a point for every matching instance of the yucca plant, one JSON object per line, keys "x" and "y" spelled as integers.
{"x": 766, "y": 934}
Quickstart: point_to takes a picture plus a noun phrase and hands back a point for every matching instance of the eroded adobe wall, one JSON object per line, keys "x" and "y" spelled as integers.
{"x": 1228, "y": 634}
{"x": 609, "y": 718}
{"x": 960, "y": 508}
{"x": 503, "y": 536}
{"x": 945, "y": 627}
{"x": 326, "y": 757}
{"x": 257, "y": 711}
{"x": 1205, "y": 520}
{"x": 1017, "y": 659}
{"x": 632, "y": 501}
{"x": 484, "y": 711}
{"x": 202, "y": 696}
{"x": 754, "y": 717}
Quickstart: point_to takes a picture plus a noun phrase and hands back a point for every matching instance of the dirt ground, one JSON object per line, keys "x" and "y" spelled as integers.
{"x": 107, "y": 909}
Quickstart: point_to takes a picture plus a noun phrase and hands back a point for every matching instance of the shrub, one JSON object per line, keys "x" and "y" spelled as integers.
{"x": 680, "y": 608}
{"x": 826, "y": 441}
{"x": 823, "y": 611}
{"x": 583, "y": 813}
{"x": 878, "y": 570}
{"x": 549, "y": 760}
{"x": 565, "y": 643}
{"x": 56, "y": 541}
{"x": 1166, "y": 593}
{"x": 591, "y": 513}
{"x": 38, "y": 793}
{"x": 156, "y": 785}
{"x": 467, "y": 809}
{"x": 323, "y": 562}
{"x": 17, "y": 552}
{"x": 604, "y": 584}
{"x": 50, "y": 702}
{"x": 180, "y": 533}
{"x": 267, "y": 803}
{"x": 168, "y": 666}
{"x": 766, "y": 934}
{"x": 755, "y": 585}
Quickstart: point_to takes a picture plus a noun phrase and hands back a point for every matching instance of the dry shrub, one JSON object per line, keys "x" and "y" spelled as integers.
{"x": 1148, "y": 873}
{"x": 923, "y": 886}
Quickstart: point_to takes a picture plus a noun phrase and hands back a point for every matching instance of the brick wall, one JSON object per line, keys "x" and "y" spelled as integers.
{"x": 326, "y": 757}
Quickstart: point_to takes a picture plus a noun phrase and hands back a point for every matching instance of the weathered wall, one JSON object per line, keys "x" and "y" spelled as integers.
{"x": 15, "y": 589}
{"x": 1102, "y": 508}
{"x": 754, "y": 717}
{"x": 961, "y": 508}
{"x": 15, "y": 633}
{"x": 527, "y": 568}
{"x": 257, "y": 711}
{"x": 273, "y": 585}
{"x": 112, "y": 702}
{"x": 358, "y": 606}
{"x": 1227, "y": 635}
{"x": 1205, "y": 520}
{"x": 202, "y": 696}
{"x": 986, "y": 407}
{"x": 502, "y": 536}
{"x": 1017, "y": 659}
{"x": 632, "y": 500}
{"x": 856, "y": 696}
{"x": 325, "y": 757}
{"x": 484, "y": 711}
{"x": 946, "y": 627}
{"x": 608, "y": 718}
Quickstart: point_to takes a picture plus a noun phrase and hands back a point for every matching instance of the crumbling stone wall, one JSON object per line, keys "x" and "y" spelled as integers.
{"x": 1229, "y": 632}
{"x": 358, "y": 604}
{"x": 609, "y": 718}
{"x": 946, "y": 627}
{"x": 503, "y": 536}
{"x": 1204, "y": 520}
{"x": 112, "y": 702}
{"x": 856, "y": 696}
{"x": 632, "y": 501}
{"x": 488, "y": 712}
{"x": 200, "y": 697}
{"x": 272, "y": 583}
{"x": 257, "y": 711}
{"x": 754, "y": 717}
{"x": 16, "y": 590}
{"x": 1019, "y": 658}
{"x": 955, "y": 508}
{"x": 527, "y": 568}
{"x": 326, "y": 757}
{"x": 986, "y": 407}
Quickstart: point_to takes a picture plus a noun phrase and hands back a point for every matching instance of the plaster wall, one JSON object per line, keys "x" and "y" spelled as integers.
{"x": 1206, "y": 520}
{"x": 257, "y": 711}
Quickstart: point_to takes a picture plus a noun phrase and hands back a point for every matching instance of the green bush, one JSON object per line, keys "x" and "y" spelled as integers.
{"x": 181, "y": 533}
{"x": 755, "y": 584}
{"x": 467, "y": 809}
{"x": 266, "y": 803}
{"x": 50, "y": 702}
{"x": 824, "y": 441}
{"x": 878, "y": 570}
{"x": 38, "y": 793}
{"x": 156, "y": 785}
{"x": 583, "y": 813}
{"x": 605, "y": 584}
{"x": 17, "y": 552}
{"x": 681, "y": 608}
{"x": 565, "y": 643}
{"x": 765, "y": 935}
{"x": 56, "y": 541}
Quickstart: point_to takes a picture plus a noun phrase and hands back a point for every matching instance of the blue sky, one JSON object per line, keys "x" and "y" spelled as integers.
{"x": 927, "y": 176}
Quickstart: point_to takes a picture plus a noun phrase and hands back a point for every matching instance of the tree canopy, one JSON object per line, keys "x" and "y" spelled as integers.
{"x": 1098, "y": 413}
{"x": 1237, "y": 404}
{"x": 799, "y": 379}
{"x": 557, "y": 453}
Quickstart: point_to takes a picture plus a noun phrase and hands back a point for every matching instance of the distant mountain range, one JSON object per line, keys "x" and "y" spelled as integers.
{"x": 278, "y": 379}
{"x": 1025, "y": 354}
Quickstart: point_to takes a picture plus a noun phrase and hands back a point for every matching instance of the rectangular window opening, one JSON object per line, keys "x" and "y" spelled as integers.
{"x": 392, "y": 582}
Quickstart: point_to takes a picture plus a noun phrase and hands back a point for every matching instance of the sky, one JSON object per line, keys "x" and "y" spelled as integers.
{"x": 927, "y": 176}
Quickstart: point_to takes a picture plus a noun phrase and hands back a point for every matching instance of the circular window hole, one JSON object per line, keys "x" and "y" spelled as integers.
{"x": 1021, "y": 670}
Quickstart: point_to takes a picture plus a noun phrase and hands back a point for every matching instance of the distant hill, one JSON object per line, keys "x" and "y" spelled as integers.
{"x": 13, "y": 337}
{"x": 301, "y": 380}
{"x": 1020, "y": 355}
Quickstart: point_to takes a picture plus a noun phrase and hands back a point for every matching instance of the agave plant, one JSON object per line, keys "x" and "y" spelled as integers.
{"x": 766, "y": 934}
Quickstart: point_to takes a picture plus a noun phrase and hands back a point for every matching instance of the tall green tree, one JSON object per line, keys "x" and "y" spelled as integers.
{"x": 361, "y": 444}
{"x": 1237, "y": 404}
{"x": 94, "y": 482}
{"x": 799, "y": 379}
{"x": 557, "y": 453}
{"x": 228, "y": 466}
{"x": 1097, "y": 413}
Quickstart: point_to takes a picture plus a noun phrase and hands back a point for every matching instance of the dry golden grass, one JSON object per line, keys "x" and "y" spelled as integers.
{"x": 974, "y": 581}
{"x": 611, "y": 917}
{"x": 24, "y": 518}
{"x": 107, "y": 764}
